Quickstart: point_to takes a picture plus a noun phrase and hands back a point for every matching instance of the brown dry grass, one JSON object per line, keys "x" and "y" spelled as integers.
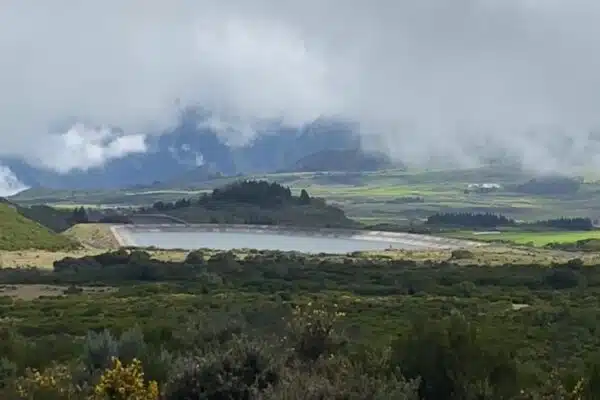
{"x": 45, "y": 259}
{"x": 31, "y": 292}
{"x": 96, "y": 236}
{"x": 495, "y": 255}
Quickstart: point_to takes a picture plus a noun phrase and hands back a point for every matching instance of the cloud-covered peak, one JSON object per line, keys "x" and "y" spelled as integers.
{"x": 9, "y": 183}
{"x": 429, "y": 78}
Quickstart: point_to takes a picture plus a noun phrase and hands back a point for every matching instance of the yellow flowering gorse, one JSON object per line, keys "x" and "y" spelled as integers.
{"x": 52, "y": 383}
{"x": 125, "y": 383}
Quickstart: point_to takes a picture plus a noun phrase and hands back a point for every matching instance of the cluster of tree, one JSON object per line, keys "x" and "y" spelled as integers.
{"x": 258, "y": 193}
{"x": 79, "y": 216}
{"x": 567, "y": 224}
{"x": 469, "y": 220}
{"x": 585, "y": 245}
{"x": 162, "y": 206}
{"x": 552, "y": 185}
{"x": 280, "y": 270}
{"x": 55, "y": 219}
{"x": 406, "y": 200}
{"x": 489, "y": 220}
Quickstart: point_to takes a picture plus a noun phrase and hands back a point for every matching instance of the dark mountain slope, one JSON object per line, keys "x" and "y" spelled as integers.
{"x": 348, "y": 160}
{"x": 193, "y": 144}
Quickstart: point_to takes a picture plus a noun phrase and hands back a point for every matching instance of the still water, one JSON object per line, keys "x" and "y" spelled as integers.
{"x": 261, "y": 241}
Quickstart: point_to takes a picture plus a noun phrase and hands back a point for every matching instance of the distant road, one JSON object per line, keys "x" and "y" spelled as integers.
{"x": 142, "y": 218}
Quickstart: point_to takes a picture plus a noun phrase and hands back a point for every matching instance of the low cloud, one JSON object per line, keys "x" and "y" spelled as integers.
{"x": 82, "y": 148}
{"x": 430, "y": 81}
{"x": 9, "y": 183}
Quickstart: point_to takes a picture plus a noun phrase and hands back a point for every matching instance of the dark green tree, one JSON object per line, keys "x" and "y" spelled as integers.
{"x": 304, "y": 197}
{"x": 79, "y": 216}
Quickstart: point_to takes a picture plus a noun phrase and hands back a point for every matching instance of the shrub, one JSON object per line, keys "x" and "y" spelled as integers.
{"x": 54, "y": 383}
{"x": 461, "y": 254}
{"x": 242, "y": 371}
{"x": 72, "y": 289}
{"x": 312, "y": 331}
{"x": 8, "y": 371}
{"x": 338, "y": 378}
{"x": 125, "y": 383}
{"x": 131, "y": 345}
{"x": 99, "y": 349}
{"x": 195, "y": 257}
{"x": 453, "y": 362}
{"x": 554, "y": 388}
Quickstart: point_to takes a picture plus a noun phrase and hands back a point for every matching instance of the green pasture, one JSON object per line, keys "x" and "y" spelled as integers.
{"x": 383, "y": 196}
{"x": 525, "y": 237}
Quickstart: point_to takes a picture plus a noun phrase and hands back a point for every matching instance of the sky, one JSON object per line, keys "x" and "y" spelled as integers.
{"x": 429, "y": 81}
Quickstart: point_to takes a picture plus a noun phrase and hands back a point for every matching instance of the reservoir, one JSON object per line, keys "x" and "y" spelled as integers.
{"x": 228, "y": 237}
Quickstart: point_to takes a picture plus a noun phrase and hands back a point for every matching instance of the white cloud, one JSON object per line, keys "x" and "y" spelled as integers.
{"x": 432, "y": 76}
{"x": 9, "y": 184}
{"x": 83, "y": 148}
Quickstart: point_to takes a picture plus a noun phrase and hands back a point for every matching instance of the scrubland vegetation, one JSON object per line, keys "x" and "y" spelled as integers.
{"x": 272, "y": 325}
{"x": 498, "y": 322}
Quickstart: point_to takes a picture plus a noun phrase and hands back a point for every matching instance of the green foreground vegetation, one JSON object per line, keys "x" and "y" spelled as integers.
{"x": 272, "y": 325}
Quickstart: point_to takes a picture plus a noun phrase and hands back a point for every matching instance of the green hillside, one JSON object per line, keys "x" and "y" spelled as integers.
{"x": 20, "y": 233}
{"x": 350, "y": 160}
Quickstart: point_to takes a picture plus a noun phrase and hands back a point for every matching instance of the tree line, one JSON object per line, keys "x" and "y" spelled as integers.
{"x": 253, "y": 192}
{"x": 491, "y": 220}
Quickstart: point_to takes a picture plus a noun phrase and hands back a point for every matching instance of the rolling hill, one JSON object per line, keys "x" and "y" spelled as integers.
{"x": 20, "y": 233}
{"x": 342, "y": 160}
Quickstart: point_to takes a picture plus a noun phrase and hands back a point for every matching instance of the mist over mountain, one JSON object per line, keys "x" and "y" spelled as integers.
{"x": 92, "y": 94}
{"x": 196, "y": 143}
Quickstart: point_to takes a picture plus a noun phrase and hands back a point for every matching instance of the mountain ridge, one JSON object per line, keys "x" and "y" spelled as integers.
{"x": 195, "y": 145}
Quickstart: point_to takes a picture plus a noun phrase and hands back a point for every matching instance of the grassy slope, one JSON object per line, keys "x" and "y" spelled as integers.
{"x": 535, "y": 238}
{"x": 20, "y": 233}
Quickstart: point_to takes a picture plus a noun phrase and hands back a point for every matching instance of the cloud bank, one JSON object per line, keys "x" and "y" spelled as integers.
{"x": 9, "y": 183}
{"x": 429, "y": 81}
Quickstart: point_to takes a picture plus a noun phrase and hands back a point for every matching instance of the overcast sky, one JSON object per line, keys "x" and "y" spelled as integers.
{"x": 434, "y": 77}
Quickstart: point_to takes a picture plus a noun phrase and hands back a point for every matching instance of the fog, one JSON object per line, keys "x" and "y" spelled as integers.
{"x": 431, "y": 82}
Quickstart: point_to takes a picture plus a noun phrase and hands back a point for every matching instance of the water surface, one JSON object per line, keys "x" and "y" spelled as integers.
{"x": 260, "y": 241}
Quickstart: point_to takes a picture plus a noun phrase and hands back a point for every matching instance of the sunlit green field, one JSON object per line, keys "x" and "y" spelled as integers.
{"x": 535, "y": 238}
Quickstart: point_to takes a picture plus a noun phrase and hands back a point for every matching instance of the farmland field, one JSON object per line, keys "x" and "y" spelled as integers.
{"x": 525, "y": 237}
{"x": 392, "y": 196}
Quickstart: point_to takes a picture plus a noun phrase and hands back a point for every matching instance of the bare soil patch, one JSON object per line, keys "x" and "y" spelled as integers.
{"x": 96, "y": 236}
